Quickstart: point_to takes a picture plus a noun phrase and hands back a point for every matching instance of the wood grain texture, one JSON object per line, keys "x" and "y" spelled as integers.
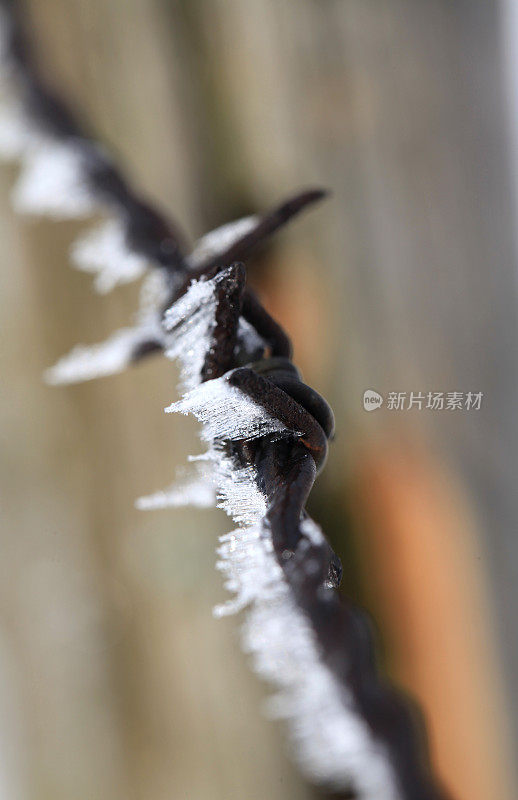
{"x": 121, "y": 684}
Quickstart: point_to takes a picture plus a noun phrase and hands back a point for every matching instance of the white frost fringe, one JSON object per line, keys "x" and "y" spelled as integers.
{"x": 104, "y": 253}
{"x": 196, "y": 489}
{"x": 190, "y": 321}
{"x": 52, "y": 183}
{"x": 220, "y": 239}
{"x": 331, "y": 742}
{"x": 226, "y": 413}
{"x": 16, "y": 134}
{"x": 86, "y": 362}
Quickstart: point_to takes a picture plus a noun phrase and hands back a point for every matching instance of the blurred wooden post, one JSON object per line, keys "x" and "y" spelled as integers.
{"x": 405, "y": 282}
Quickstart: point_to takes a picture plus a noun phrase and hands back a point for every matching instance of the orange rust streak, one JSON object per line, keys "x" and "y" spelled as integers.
{"x": 425, "y": 565}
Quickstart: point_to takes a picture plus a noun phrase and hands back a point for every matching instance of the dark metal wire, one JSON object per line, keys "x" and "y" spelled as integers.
{"x": 285, "y": 468}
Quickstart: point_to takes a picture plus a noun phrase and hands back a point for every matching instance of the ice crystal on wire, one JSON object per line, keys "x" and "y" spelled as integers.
{"x": 189, "y": 322}
{"x": 197, "y": 490}
{"x": 331, "y": 742}
{"x": 220, "y": 239}
{"x": 103, "y": 252}
{"x": 226, "y": 413}
{"x": 86, "y": 362}
{"x": 16, "y": 134}
{"x": 52, "y": 183}
{"x": 238, "y": 493}
{"x": 196, "y": 493}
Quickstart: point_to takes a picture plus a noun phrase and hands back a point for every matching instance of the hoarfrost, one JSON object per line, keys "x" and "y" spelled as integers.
{"x": 103, "y": 251}
{"x": 196, "y": 490}
{"x": 86, "y": 362}
{"x": 249, "y": 337}
{"x": 153, "y": 295}
{"x": 238, "y": 493}
{"x": 52, "y": 183}
{"x": 190, "y": 321}
{"x": 220, "y": 239}
{"x": 331, "y": 742}
{"x": 227, "y": 413}
{"x": 16, "y": 135}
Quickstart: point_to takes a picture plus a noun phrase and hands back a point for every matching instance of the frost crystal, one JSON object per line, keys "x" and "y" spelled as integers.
{"x": 16, "y": 135}
{"x": 238, "y": 493}
{"x": 189, "y": 322}
{"x": 196, "y": 490}
{"x": 52, "y": 183}
{"x": 86, "y": 362}
{"x": 226, "y": 413}
{"x": 104, "y": 252}
{"x": 153, "y": 295}
{"x": 220, "y": 239}
{"x": 331, "y": 742}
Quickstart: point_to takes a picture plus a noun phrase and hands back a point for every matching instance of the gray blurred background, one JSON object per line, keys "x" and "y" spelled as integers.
{"x": 115, "y": 680}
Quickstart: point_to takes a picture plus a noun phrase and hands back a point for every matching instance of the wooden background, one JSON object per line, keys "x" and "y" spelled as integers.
{"x": 115, "y": 681}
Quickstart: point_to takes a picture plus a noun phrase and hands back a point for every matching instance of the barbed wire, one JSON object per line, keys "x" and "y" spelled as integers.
{"x": 267, "y": 435}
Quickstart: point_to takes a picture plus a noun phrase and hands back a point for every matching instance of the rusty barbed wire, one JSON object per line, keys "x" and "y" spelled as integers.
{"x": 283, "y": 461}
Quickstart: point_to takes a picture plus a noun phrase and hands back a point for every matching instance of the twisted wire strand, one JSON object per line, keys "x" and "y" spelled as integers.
{"x": 283, "y": 462}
